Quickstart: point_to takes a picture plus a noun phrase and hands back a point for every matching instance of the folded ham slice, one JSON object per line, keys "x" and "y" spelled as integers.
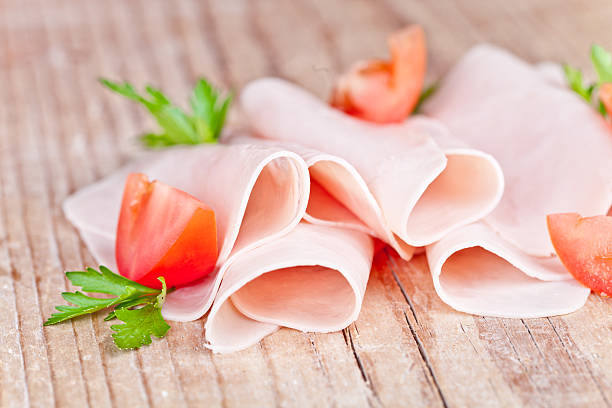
{"x": 272, "y": 270}
{"x": 407, "y": 184}
{"x": 475, "y": 271}
{"x": 313, "y": 279}
{"x": 258, "y": 194}
{"x": 556, "y": 153}
{"x": 420, "y": 183}
{"x": 337, "y": 193}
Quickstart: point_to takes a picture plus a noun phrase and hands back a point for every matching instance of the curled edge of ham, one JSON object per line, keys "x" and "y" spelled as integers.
{"x": 312, "y": 279}
{"x": 408, "y": 180}
{"x": 307, "y": 277}
{"x": 477, "y": 272}
{"x": 258, "y": 194}
{"x": 507, "y": 258}
{"x": 344, "y": 202}
{"x": 520, "y": 113}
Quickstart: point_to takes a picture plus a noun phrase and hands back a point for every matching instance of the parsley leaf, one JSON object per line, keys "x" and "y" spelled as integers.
{"x": 108, "y": 282}
{"x": 84, "y": 305}
{"x": 576, "y": 83}
{"x": 127, "y": 304}
{"x": 141, "y": 324}
{"x": 602, "y": 61}
{"x": 128, "y": 296}
{"x": 209, "y": 110}
{"x": 427, "y": 92}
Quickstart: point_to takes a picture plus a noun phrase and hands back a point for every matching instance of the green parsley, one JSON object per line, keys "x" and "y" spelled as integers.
{"x": 426, "y": 94}
{"x": 602, "y": 61}
{"x": 576, "y": 83}
{"x": 209, "y": 109}
{"x": 140, "y": 322}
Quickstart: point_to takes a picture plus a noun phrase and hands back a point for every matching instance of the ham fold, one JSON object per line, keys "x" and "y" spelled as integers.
{"x": 272, "y": 270}
{"x": 556, "y": 154}
{"x": 409, "y": 184}
{"x": 298, "y": 199}
{"x": 313, "y": 279}
{"x": 259, "y": 194}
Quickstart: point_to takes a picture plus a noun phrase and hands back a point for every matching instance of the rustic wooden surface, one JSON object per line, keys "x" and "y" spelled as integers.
{"x": 59, "y": 131}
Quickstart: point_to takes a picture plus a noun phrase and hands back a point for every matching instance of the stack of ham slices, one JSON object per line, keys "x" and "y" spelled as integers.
{"x": 300, "y": 196}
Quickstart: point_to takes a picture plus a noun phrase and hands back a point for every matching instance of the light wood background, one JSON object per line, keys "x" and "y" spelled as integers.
{"x": 59, "y": 131}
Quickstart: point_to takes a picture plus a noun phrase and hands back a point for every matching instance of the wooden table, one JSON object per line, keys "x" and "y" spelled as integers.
{"x": 59, "y": 131}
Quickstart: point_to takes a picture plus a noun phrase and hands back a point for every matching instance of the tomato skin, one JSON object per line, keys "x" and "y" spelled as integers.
{"x": 163, "y": 231}
{"x": 385, "y": 91}
{"x": 584, "y": 245}
{"x": 605, "y": 96}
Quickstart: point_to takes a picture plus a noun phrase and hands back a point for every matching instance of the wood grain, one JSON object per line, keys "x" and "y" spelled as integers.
{"x": 59, "y": 131}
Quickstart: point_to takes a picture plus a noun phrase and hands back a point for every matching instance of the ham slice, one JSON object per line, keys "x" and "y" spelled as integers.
{"x": 272, "y": 270}
{"x": 337, "y": 194}
{"x": 420, "y": 183}
{"x": 475, "y": 271}
{"x": 313, "y": 279}
{"x": 258, "y": 194}
{"x": 406, "y": 184}
{"x": 553, "y": 147}
{"x": 556, "y": 154}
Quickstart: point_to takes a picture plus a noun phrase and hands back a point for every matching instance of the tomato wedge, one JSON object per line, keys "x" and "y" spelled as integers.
{"x": 584, "y": 245}
{"x": 385, "y": 91}
{"x": 164, "y": 231}
{"x": 605, "y": 96}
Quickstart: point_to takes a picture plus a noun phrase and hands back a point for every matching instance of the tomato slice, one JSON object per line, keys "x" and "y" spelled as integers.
{"x": 164, "y": 231}
{"x": 385, "y": 91}
{"x": 584, "y": 245}
{"x": 605, "y": 96}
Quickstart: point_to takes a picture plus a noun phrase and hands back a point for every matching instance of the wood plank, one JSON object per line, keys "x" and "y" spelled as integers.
{"x": 519, "y": 358}
{"x": 384, "y": 351}
{"x": 13, "y": 385}
{"x": 60, "y": 130}
{"x": 331, "y": 377}
{"x": 37, "y": 371}
{"x": 77, "y": 142}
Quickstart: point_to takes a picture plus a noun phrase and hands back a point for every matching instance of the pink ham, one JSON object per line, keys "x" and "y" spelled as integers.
{"x": 258, "y": 195}
{"x": 337, "y": 193}
{"x": 271, "y": 270}
{"x": 554, "y": 149}
{"x": 406, "y": 184}
{"x": 475, "y": 271}
{"x": 410, "y": 184}
{"x": 556, "y": 154}
{"x": 313, "y": 279}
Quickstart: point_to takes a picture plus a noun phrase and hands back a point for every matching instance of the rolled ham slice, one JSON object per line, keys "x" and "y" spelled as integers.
{"x": 259, "y": 194}
{"x": 312, "y": 279}
{"x": 337, "y": 194}
{"x": 555, "y": 150}
{"x": 475, "y": 271}
{"x": 407, "y": 184}
{"x": 556, "y": 153}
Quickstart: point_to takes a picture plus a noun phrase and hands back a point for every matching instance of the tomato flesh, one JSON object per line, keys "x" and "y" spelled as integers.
{"x": 385, "y": 91}
{"x": 584, "y": 245}
{"x": 605, "y": 96}
{"x": 164, "y": 231}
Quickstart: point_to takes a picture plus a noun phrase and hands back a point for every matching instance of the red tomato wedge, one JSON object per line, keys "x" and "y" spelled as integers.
{"x": 605, "y": 96}
{"x": 584, "y": 245}
{"x": 165, "y": 232}
{"x": 385, "y": 91}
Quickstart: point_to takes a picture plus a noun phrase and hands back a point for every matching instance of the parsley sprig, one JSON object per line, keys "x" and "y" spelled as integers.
{"x": 425, "y": 95}
{"x": 209, "y": 109}
{"x": 602, "y": 61}
{"x": 138, "y": 306}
